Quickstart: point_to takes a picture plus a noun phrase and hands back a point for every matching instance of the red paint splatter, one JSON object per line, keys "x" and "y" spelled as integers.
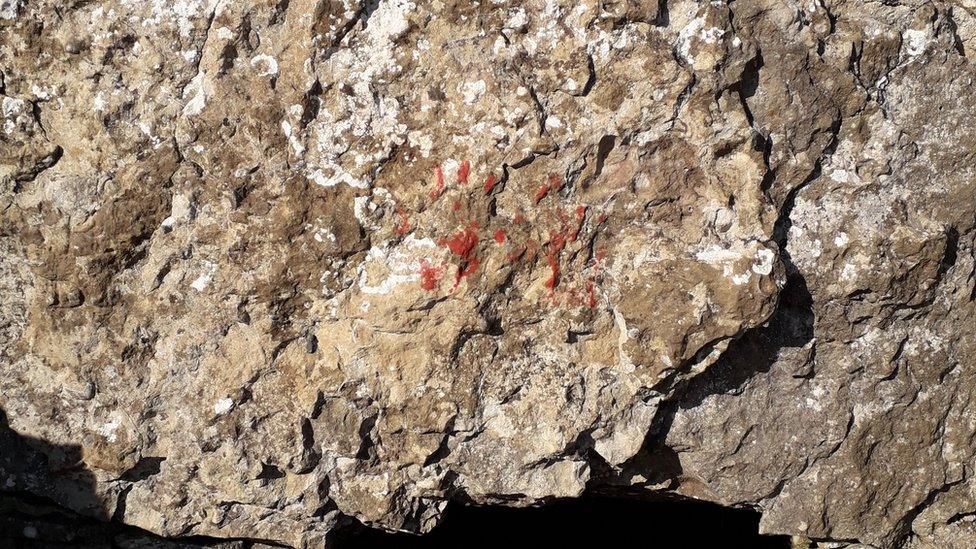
{"x": 555, "y": 182}
{"x": 580, "y": 216}
{"x": 463, "y": 172}
{"x": 557, "y": 241}
{"x": 490, "y": 183}
{"x": 541, "y": 193}
{"x": 471, "y": 266}
{"x": 591, "y": 281}
{"x": 404, "y": 226}
{"x": 500, "y": 236}
{"x": 463, "y": 244}
{"x": 561, "y": 214}
{"x": 554, "y": 267}
{"x": 439, "y": 187}
{"x": 429, "y": 275}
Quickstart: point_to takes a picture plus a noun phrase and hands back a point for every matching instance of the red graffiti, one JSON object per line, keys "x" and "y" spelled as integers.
{"x": 555, "y": 182}
{"x": 563, "y": 223}
{"x": 553, "y": 279}
{"x": 439, "y": 186}
{"x": 404, "y": 226}
{"x": 429, "y": 275}
{"x": 464, "y": 244}
{"x": 557, "y": 241}
{"x": 541, "y": 193}
{"x": 490, "y": 183}
{"x": 516, "y": 254}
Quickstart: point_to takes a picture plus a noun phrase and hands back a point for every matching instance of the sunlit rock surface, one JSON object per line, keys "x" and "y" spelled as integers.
{"x": 271, "y": 267}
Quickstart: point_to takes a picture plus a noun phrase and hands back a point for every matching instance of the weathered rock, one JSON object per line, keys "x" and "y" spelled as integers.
{"x": 268, "y": 266}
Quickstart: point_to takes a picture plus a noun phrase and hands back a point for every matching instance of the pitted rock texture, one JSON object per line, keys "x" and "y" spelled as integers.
{"x": 272, "y": 266}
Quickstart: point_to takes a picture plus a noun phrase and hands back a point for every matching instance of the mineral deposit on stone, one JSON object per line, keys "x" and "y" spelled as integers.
{"x": 271, "y": 267}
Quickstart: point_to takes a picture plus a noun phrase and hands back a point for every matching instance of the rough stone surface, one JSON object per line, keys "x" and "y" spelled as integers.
{"x": 271, "y": 266}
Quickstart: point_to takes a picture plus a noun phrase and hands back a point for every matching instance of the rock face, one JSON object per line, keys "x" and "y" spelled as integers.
{"x": 271, "y": 266}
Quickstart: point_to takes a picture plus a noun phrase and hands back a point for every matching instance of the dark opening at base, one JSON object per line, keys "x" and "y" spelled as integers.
{"x": 608, "y": 521}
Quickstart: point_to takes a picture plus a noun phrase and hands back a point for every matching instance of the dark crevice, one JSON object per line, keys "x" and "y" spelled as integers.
{"x": 663, "y": 18}
{"x": 591, "y": 76}
{"x": 905, "y": 524}
{"x": 270, "y": 472}
{"x": 143, "y": 469}
{"x": 604, "y": 148}
{"x": 568, "y": 522}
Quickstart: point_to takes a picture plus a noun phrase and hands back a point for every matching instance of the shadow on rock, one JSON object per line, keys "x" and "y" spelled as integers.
{"x": 789, "y": 328}
{"x": 570, "y": 523}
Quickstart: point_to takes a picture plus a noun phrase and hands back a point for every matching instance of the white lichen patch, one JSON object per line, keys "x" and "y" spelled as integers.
{"x": 765, "y": 259}
{"x": 731, "y": 260}
{"x": 201, "y": 282}
{"x": 197, "y": 91}
{"x": 9, "y": 9}
{"x": 223, "y": 406}
{"x": 915, "y": 41}
{"x": 324, "y": 235}
{"x": 338, "y": 152}
{"x": 472, "y": 91}
{"x": 108, "y": 429}
{"x": 386, "y": 267}
{"x": 184, "y": 14}
{"x": 264, "y": 65}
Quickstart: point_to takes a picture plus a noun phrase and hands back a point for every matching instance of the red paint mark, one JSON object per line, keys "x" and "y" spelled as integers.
{"x": 602, "y": 218}
{"x": 463, "y": 244}
{"x": 463, "y": 172}
{"x": 404, "y": 226}
{"x": 557, "y": 241}
{"x": 591, "y": 280}
{"x": 580, "y": 216}
{"x": 490, "y": 183}
{"x": 554, "y": 267}
{"x": 429, "y": 275}
{"x": 541, "y": 193}
{"x": 561, "y": 214}
{"x": 555, "y": 182}
{"x": 439, "y": 188}
{"x": 471, "y": 266}
{"x": 456, "y": 205}
{"x": 500, "y": 236}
